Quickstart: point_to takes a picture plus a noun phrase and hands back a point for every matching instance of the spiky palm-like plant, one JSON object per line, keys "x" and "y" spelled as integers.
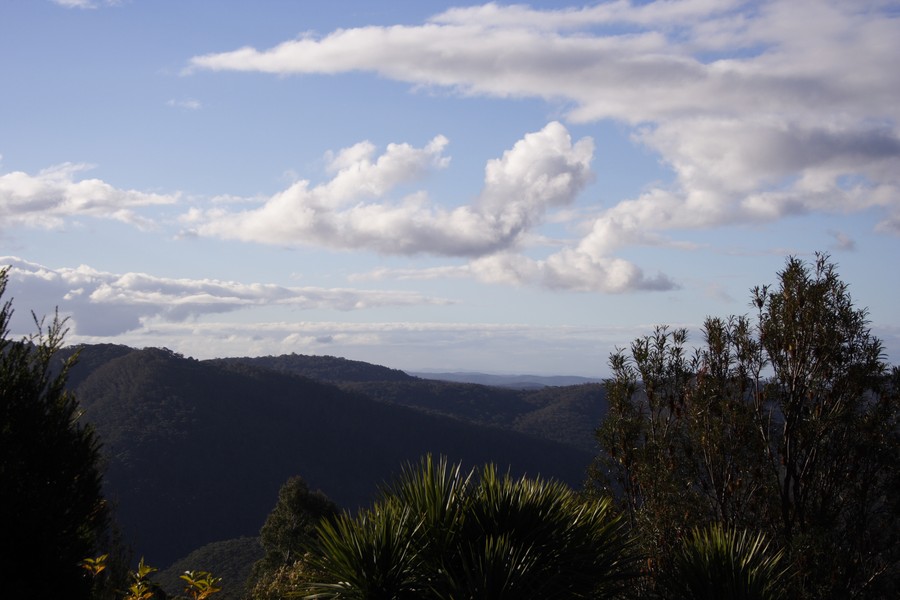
{"x": 715, "y": 562}
{"x": 530, "y": 538}
{"x": 441, "y": 533}
{"x": 373, "y": 556}
{"x": 440, "y": 495}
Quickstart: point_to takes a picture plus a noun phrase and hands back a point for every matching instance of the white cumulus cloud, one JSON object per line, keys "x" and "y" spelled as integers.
{"x": 51, "y": 196}
{"x": 543, "y": 170}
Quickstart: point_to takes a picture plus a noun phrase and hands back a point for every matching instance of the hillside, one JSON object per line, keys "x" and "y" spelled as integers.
{"x": 196, "y": 451}
{"x": 568, "y": 415}
{"x": 563, "y": 413}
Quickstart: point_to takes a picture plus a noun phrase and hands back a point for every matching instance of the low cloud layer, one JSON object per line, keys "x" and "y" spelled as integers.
{"x": 399, "y": 345}
{"x": 109, "y": 304}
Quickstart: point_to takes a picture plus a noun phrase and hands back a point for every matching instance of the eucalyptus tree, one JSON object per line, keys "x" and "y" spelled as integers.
{"x": 786, "y": 423}
{"x": 289, "y": 531}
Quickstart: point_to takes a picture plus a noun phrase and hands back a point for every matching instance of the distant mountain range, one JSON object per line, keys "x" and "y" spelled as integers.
{"x": 195, "y": 451}
{"x": 511, "y": 381}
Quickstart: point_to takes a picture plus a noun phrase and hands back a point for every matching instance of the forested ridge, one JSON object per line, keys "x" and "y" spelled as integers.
{"x": 195, "y": 451}
{"x": 334, "y": 369}
{"x": 567, "y": 414}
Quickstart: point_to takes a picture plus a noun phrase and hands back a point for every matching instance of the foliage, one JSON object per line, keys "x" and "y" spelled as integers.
{"x": 444, "y": 533}
{"x": 50, "y": 485}
{"x": 198, "y": 585}
{"x": 141, "y": 587}
{"x": 372, "y": 556}
{"x": 287, "y": 581}
{"x": 232, "y": 560}
{"x": 784, "y": 424}
{"x": 715, "y": 562}
{"x": 290, "y": 529}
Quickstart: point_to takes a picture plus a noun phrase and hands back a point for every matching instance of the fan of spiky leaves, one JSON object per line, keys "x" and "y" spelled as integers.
{"x": 715, "y": 562}
{"x": 529, "y": 538}
{"x": 441, "y": 533}
{"x": 374, "y": 555}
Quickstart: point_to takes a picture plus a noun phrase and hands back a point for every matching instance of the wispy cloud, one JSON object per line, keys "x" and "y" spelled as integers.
{"x": 187, "y": 103}
{"x": 108, "y": 304}
{"x": 842, "y": 241}
{"x": 86, "y": 4}
{"x": 76, "y": 3}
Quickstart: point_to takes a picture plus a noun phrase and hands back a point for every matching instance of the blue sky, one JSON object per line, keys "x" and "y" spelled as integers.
{"x": 436, "y": 185}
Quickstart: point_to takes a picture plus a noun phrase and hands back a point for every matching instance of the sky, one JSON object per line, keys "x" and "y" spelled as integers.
{"x": 429, "y": 185}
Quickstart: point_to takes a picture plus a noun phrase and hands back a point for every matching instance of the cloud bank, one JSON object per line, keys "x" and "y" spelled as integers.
{"x": 410, "y": 344}
{"x": 108, "y": 304}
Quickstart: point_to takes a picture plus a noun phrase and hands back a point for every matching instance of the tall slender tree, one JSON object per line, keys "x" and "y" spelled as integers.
{"x": 51, "y": 504}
